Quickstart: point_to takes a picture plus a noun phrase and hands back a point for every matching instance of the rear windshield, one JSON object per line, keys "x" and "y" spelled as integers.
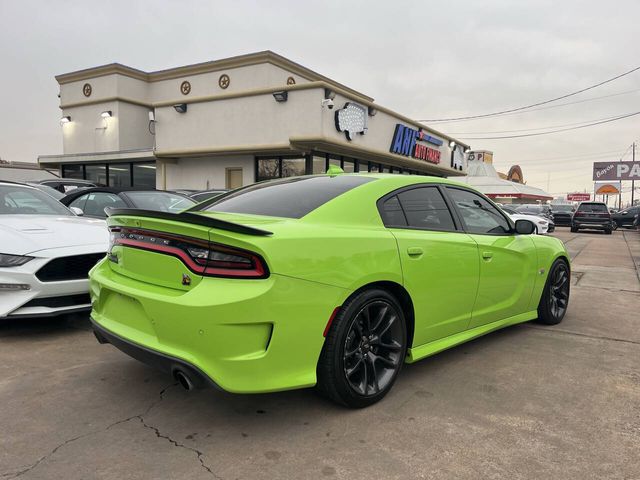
{"x": 289, "y": 198}
{"x": 562, "y": 208}
{"x": 530, "y": 208}
{"x": 160, "y": 201}
{"x": 593, "y": 207}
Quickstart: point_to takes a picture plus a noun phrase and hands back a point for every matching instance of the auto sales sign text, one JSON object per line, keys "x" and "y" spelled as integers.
{"x": 616, "y": 171}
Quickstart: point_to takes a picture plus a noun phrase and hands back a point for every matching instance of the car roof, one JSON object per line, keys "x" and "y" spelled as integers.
{"x": 19, "y": 184}
{"x": 65, "y": 180}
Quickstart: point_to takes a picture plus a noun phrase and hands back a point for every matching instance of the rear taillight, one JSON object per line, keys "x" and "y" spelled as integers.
{"x": 202, "y": 257}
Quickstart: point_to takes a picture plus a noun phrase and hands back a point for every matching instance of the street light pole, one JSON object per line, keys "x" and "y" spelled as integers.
{"x": 633, "y": 182}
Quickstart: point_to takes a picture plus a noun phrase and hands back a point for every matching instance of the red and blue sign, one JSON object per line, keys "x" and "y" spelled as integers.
{"x": 405, "y": 142}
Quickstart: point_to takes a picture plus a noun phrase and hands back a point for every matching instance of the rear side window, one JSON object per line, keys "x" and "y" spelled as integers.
{"x": 291, "y": 198}
{"x": 422, "y": 207}
{"x": 392, "y": 214}
{"x": 593, "y": 208}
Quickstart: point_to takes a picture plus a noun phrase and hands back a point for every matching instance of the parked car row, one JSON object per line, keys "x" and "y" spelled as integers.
{"x": 543, "y": 224}
{"x": 53, "y": 232}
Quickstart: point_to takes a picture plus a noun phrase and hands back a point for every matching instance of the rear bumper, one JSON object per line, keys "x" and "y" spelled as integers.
{"x": 594, "y": 225}
{"x": 246, "y": 336}
{"x": 562, "y": 221}
{"x": 157, "y": 360}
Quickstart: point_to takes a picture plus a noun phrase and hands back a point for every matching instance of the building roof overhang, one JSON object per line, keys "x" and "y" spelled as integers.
{"x": 97, "y": 157}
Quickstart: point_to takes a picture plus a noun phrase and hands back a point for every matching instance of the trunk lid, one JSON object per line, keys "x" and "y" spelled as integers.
{"x": 149, "y": 255}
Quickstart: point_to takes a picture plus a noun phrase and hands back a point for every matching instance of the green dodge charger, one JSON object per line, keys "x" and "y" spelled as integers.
{"x": 331, "y": 281}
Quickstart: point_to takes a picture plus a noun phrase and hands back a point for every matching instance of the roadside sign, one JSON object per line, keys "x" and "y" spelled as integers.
{"x": 578, "y": 197}
{"x": 616, "y": 171}
{"x": 607, "y": 188}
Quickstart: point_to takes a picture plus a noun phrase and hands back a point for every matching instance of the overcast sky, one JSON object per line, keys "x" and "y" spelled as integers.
{"x": 427, "y": 60}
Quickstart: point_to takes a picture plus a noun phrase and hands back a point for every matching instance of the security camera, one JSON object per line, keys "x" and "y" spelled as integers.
{"x": 327, "y": 102}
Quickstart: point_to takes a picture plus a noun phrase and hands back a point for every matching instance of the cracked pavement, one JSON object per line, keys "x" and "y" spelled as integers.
{"x": 526, "y": 402}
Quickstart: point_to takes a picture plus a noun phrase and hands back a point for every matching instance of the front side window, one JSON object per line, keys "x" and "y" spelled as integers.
{"x": 422, "y": 207}
{"x": 478, "y": 215}
{"x": 29, "y": 201}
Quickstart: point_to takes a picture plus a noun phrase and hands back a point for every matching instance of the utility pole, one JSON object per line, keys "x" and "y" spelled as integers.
{"x": 633, "y": 182}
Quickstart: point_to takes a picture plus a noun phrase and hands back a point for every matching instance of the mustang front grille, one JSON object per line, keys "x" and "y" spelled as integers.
{"x": 68, "y": 268}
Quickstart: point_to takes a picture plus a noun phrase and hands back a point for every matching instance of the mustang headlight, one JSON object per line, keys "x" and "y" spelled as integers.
{"x": 13, "y": 260}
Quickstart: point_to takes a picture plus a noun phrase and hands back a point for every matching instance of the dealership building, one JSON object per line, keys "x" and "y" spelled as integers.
{"x": 231, "y": 122}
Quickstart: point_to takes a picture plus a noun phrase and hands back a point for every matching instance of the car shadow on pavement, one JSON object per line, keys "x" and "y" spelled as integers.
{"x": 10, "y": 327}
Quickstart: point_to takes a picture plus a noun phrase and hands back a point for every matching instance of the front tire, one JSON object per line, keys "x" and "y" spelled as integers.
{"x": 555, "y": 296}
{"x": 364, "y": 350}
{"x": 614, "y": 225}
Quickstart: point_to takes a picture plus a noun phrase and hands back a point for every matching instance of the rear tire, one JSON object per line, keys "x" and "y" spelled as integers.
{"x": 364, "y": 350}
{"x": 574, "y": 229}
{"x": 607, "y": 231}
{"x": 555, "y": 296}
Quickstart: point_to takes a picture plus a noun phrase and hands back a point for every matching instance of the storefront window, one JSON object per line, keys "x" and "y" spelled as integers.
{"x": 72, "y": 171}
{"x": 268, "y": 168}
{"x": 319, "y": 165}
{"x": 119, "y": 174}
{"x": 348, "y": 166}
{"x": 374, "y": 167}
{"x": 335, "y": 161}
{"x": 96, "y": 173}
{"x": 144, "y": 175}
{"x": 293, "y": 167}
{"x": 363, "y": 166}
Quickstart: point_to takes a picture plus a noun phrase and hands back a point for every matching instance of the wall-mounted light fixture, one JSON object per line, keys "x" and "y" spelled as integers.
{"x": 180, "y": 107}
{"x": 65, "y": 119}
{"x": 372, "y": 111}
{"x": 467, "y": 150}
{"x": 152, "y": 116}
{"x": 281, "y": 96}
{"x": 106, "y": 114}
{"x": 452, "y": 144}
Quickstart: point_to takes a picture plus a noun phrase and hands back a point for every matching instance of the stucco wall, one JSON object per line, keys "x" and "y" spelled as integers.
{"x": 239, "y": 122}
{"x": 202, "y": 173}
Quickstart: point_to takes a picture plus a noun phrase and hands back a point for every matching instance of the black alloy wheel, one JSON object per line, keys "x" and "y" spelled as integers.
{"x": 372, "y": 348}
{"x": 555, "y": 297}
{"x": 364, "y": 350}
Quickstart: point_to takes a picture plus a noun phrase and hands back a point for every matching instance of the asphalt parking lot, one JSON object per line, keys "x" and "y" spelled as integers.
{"x": 526, "y": 402}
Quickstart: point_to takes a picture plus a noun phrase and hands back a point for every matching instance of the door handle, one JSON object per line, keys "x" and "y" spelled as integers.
{"x": 487, "y": 255}
{"x": 414, "y": 251}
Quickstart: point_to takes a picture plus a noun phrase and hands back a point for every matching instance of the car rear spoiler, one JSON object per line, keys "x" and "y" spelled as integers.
{"x": 187, "y": 217}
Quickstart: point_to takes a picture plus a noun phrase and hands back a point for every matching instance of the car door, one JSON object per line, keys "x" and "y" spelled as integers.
{"x": 440, "y": 262}
{"x": 507, "y": 260}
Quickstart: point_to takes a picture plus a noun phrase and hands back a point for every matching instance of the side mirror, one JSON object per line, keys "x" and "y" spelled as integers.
{"x": 525, "y": 227}
{"x": 77, "y": 211}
